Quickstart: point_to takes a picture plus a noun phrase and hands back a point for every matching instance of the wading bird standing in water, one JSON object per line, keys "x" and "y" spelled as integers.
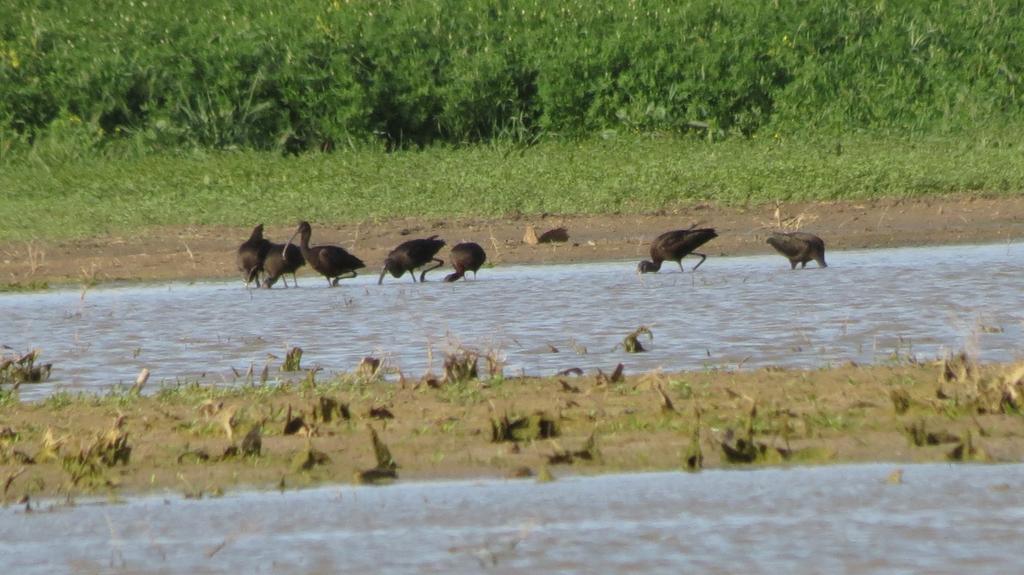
{"x": 466, "y": 257}
{"x": 333, "y": 262}
{"x": 251, "y": 254}
{"x": 674, "y": 246}
{"x": 282, "y": 259}
{"x": 799, "y": 248}
{"x": 411, "y": 255}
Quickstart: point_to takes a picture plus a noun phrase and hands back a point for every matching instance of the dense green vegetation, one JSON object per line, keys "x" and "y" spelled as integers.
{"x": 119, "y": 114}
{"x": 311, "y": 74}
{"x": 46, "y": 197}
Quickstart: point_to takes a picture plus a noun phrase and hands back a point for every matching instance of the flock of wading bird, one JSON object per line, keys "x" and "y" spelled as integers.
{"x": 259, "y": 256}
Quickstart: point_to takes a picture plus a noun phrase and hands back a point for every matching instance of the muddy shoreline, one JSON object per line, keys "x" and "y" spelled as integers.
{"x": 207, "y": 252}
{"x": 197, "y": 440}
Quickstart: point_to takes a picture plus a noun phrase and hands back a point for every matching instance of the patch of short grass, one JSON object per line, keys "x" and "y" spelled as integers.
{"x": 624, "y": 174}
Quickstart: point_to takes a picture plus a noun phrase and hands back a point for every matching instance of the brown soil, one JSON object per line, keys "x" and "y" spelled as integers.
{"x": 208, "y": 252}
{"x": 178, "y": 440}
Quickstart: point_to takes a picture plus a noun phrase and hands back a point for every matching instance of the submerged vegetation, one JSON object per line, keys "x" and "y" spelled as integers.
{"x": 202, "y": 440}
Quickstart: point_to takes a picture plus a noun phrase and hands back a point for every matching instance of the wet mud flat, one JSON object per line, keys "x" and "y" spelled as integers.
{"x": 738, "y": 312}
{"x": 850, "y": 519}
{"x": 197, "y": 441}
{"x": 203, "y": 252}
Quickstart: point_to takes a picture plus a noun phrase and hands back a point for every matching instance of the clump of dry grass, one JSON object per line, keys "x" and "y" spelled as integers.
{"x": 631, "y": 343}
{"x": 292, "y": 360}
{"x": 16, "y": 369}
{"x": 588, "y": 452}
{"x": 522, "y": 428}
{"x": 693, "y": 460}
{"x": 86, "y": 467}
{"x": 386, "y": 468}
{"x": 460, "y": 365}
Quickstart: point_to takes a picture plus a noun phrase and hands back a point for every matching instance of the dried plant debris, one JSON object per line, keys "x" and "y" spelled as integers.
{"x": 959, "y": 368}
{"x": 12, "y": 456}
{"x": 693, "y": 459}
{"x": 588, "y": 452}
{"x": 571, "y": 371}
{"x": 293, "y": 425}
{"x": 140, "y": 381}
{"x": 615, "y": 377}
{"x": 193, "y": 456}
{"x": 292, "y": 360}
{"x": 18, "y": 369}
{"x": 666, "y": 402}
{"x": 209, "y": 408}
{"x": 746, "y": 449}
{"x": 85, "y": 468}
{"x": 380, "y": 412}
{"x": 521, "y": 472}
{"x": 919, "y": 435}
{"x": 387, "y": 467}
{"x": 369, "y": 368}
{"x": 900, "y": 400}
{"x": 522, "y": 428}
{"x": 460, "y": 365}
{"x": 50, "y": 450}
{"x": 495, "y": 364}
{"x": 252, "y": 443}
{"x": 309, "y": 458}
{"x": 325, "y": 409}
{"x": 631, "y": 343}
{"x": 968, "y": 451}
{"x": 556, "y": 235}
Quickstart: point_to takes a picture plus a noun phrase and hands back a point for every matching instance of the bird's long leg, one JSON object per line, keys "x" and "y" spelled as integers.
{"x": 344, "y": 276}
{"x": 702, "y": 258}
{"x": 440, "y": 263}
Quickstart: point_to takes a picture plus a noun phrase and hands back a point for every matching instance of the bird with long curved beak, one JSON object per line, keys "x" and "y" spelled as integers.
{"x": 411, "y": 255}
{"x": 333, "y": 262}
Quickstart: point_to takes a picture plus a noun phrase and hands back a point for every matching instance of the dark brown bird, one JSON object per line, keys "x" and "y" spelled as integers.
{"x": 282, "y": 259}
{"x": 333, "y": 262}
{"x": 674, "y": 246}
{"x": 251, "y": 254}
{"x": 411, "y": 255}
{"x": 799, "y": 248}
{"x": 467, "y": 256}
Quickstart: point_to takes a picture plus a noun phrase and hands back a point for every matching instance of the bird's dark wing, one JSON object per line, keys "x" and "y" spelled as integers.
{"x": 681, "y": 242}
{"x": 423, "y": 250}
{"x": 336, "y": 258}
{"x": 787, "y": 244}
{"x": 810, "y": 239}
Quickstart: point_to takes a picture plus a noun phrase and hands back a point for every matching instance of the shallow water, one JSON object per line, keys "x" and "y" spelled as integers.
{"x": 734, "y": 311}
{"x": 839, "y": 519}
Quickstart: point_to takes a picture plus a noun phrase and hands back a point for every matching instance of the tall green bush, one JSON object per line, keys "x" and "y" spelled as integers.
{"x": 310, "y": 74}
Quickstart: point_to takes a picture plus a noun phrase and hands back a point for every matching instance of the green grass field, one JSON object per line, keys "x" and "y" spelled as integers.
{"x": 52, "y": 196}
{"x": 216, "y": 111}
